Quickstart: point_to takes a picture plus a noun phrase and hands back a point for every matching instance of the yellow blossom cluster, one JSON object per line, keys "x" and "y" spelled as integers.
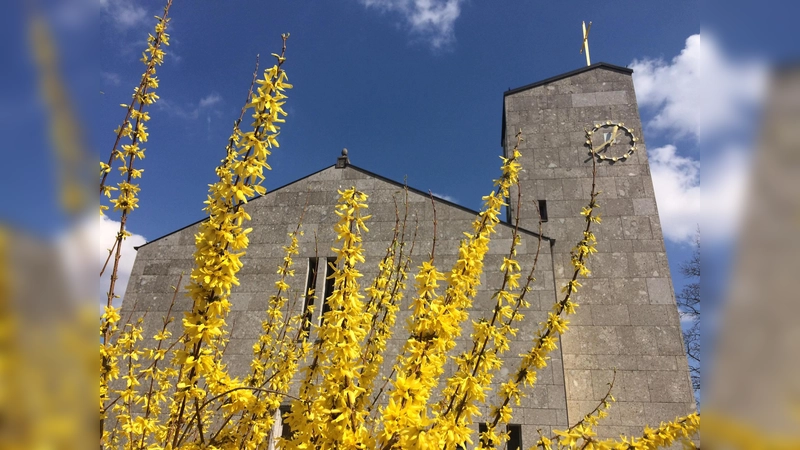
{"x": 195, "y": 372}
{"x": 329, "y": 418}
{"x": 134, "y": 130}
{"x": 280, "y": 347}
{"x": 382, "y": 307}
{"x": 435, "y": 324}
{"x": 221, "y": 242}
{"x": 582, "y": 436}
{"x": 581, "y": 430}
{"x": 276, "y": 326}
{"x": 133, "y": 126}
{"x": 546, "y": 338}
{"x": 475, "y": 369}
{"x": 679, "y": 430}
{"x": 137, "y": 404}
{"x": 178, "y": 394}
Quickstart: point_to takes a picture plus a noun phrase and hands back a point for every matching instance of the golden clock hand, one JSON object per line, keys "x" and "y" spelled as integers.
{"x": 613, "y": 134}
{"x": 609, "y": 141}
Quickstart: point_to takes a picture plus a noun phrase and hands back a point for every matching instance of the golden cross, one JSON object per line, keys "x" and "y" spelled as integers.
{"x": 585, "y": 45}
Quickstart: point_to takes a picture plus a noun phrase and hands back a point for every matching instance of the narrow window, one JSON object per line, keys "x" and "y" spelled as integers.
{"x": 308, "y": 302}
{"x": 514, "y": 437}
{"x": 286, "y": 430}
{"x": 482, "y": 428}
{"x": 543, "y": 210}
{"x": 330, "y": 268}
{"x": 280, "y": 424}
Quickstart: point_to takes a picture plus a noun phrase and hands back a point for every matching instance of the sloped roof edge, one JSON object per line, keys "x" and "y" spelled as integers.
{"x": 204, "y": 218}
{"x": 613, "y": 67}
{"x": 569, "y": 74}
{"x": 441, "y": 200}
{"x": 373, "y": 175}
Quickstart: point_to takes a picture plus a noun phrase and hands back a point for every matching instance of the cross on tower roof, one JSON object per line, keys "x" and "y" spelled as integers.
{"x": 585, "y": 45}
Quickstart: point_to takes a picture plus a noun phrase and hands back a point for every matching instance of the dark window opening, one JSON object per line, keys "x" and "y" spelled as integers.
{"x": 286, "y": 429}
{"x": 330, "y": 268}
{"x": 514, "y": 437}
{"x": 543, "y": 210}
{"x": 482, "y": 428}
{"x": 308, "y": 302}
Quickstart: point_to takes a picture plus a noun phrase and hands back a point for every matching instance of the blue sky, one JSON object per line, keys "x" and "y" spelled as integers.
{"x": 405, "y": 99}
{"x": 411, "y": 87}
{"x": 418, "y": 101}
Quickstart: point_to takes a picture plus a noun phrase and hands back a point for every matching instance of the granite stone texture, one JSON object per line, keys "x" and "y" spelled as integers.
{"x": 627, "y": 320}
{"x": 159, "y": 264}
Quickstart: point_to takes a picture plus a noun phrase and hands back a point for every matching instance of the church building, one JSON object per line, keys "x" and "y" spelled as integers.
{"x": 627, "y": 321}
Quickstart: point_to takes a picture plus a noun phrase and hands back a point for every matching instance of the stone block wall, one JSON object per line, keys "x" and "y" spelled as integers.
{"x": 627, "y": 319}
{"x": 159, "y": 264}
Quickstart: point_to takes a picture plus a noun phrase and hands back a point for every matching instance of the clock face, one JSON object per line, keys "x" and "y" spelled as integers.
{"x": 610, "y": 141}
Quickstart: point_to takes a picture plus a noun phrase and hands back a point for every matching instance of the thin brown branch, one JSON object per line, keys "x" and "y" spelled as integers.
{"x": 561, "y": 305}
{"x": 433, "y": 245}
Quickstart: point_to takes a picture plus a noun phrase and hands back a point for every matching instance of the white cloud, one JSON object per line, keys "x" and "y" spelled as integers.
{"x": 701, "y": 89}
{"x": 84, "y": 250}
{"x": 673, "y": 87}
{"x": 110, "y": 78}
{"x": 191, "y": 111}
{"x": 75, "y": 14}
{"x": 430, "y": 20}
{"x": 724, "y": 190}
{"x": 445, "y": 197}
{"x": 676, "y": 180}
{"x": 124, "y": 13}
{"x": 683, "y": 205}
{"x": 210, "y": 100}
{"x": 703, "y": 92}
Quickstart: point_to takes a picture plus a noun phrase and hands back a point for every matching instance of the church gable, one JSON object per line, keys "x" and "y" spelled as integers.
{"x": 318, "y": 194}
{"x": 159, "y": 264}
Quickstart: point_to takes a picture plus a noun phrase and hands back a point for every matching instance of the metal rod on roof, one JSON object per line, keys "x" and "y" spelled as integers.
{"x": 585, "y": 45}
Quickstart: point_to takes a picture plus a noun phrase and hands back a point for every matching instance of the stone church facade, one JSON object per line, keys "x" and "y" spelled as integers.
{"x": 627, "y": 320}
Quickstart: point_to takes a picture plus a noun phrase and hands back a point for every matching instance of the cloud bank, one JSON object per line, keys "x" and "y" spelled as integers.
{"x": 124, "y": 14}
{"x": 677, "y": 185}
{"x": 191, "y": 111}
{"x": 702, "y": 90}
{"x": 701, "y": 93}
{"x": 84, "y": 250}
{"x": 432, "y": 21}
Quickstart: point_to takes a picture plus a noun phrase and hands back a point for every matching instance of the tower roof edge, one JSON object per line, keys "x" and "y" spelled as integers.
{"x": 613, "y": 67}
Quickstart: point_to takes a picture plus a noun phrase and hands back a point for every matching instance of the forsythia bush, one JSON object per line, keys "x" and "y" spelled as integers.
{"x": 179, "y": 393}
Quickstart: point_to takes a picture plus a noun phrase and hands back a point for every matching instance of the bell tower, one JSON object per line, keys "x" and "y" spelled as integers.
{"x": 627, "y": 319}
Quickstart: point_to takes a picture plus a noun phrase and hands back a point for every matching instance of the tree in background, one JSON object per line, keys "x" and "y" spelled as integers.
{"x": 689, "y": 305}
